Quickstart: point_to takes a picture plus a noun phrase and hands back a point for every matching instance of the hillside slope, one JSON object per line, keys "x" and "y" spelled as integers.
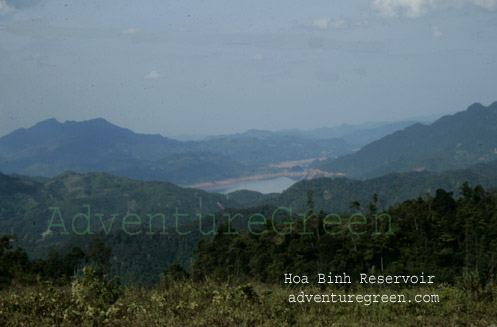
{"x": 451, "y": 142}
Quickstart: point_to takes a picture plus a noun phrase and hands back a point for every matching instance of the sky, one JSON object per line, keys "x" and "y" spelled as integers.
{"x": 178, "y": 67}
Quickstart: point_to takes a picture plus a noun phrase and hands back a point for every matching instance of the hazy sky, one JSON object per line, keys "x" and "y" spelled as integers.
{"x": 222, "y": 66}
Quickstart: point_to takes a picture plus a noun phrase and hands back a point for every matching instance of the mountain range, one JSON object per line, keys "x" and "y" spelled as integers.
{"x": 50, "y": 148}
{"x": 451, "y": 142}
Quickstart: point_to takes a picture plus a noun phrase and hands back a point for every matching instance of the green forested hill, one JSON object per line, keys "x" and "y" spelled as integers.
{"x": 447, "y": 237}
{"x": 336, "y": 194}
{"x": 142, "y": 258}
{"x": 24, "y": 205}
{"x": 451, "y": 142}
{"x": 24, "y": 210}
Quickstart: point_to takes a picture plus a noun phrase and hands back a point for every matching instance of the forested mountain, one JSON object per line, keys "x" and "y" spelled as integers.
{"x": 24, "y": 205}
{"x": 354, "y": 135}
{"x": 263, "y": 147}
{"x": 359, "y": 138}
{"x": 440, "y": 235}
{"x": 50, "y": 148}
{"x": 452, "y": 142}
{"x": 335, "y": 195}
{"x": 443, "y": 235}
{"x": 25, "y": 210}
{"x": 140, "y": 251}
{"x": 142, "y": 257}
{"x": 185, "y": 168}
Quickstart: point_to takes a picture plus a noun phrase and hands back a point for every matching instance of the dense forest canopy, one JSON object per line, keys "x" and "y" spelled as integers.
{"x": 444, "y": 235}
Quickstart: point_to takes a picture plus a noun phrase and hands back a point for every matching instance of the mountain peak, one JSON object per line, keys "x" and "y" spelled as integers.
{"x": 49, "y": 122}
{"x": 99, "y": 120}
{"x": 475, "y": 107}
{"x": 94, "y": 122}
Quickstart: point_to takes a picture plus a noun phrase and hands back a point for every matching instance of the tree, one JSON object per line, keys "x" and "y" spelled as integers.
{"x": 100, "y": 255}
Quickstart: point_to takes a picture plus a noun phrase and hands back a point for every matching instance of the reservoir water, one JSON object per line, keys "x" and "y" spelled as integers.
{"x": 273, "y": 185}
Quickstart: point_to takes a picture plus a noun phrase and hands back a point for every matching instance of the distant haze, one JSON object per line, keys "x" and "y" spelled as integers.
{"x": 223, "y": 66}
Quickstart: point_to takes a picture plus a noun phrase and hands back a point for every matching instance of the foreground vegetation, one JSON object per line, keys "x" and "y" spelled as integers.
{"x": 237, "y": 278}
{"x": 91, "y": 301}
